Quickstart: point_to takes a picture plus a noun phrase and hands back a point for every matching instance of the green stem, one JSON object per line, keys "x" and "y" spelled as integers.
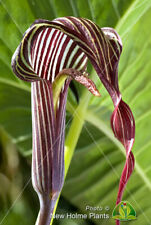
{"x": 75, "y": 129}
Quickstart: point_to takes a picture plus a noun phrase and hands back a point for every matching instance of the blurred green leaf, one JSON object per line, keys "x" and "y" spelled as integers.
{"x": 133, "y": 14}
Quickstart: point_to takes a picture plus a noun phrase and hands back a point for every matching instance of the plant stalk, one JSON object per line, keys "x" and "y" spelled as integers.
{"x": 47, "y": 206}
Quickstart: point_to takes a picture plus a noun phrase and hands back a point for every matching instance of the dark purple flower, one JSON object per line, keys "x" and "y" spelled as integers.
{"x": 52, "y": 53}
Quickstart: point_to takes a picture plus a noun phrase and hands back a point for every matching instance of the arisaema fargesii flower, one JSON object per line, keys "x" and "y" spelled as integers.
{"x": 50, "y": 55}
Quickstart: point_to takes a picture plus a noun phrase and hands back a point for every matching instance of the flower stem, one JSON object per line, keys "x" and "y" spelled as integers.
{"x": 75, "y": 129}
{"x": 47, "y": 206}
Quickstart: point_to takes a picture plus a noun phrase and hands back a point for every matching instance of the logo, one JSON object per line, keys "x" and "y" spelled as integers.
{"x": 124, "y": 212}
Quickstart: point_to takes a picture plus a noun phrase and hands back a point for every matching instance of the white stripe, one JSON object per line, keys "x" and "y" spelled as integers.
{"x": 45, "y": 51}
{"x": 57, "y": 55}
{"x": 54, "y": 51}
{"x": 65, "y": 54}
{"x": 40, "y": 48}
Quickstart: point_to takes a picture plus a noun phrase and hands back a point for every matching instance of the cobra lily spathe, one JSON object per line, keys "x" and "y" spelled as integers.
{"x": 52, "y": 53}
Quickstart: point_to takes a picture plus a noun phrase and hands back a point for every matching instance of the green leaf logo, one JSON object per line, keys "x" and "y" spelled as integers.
{"x": 124, "y": 212}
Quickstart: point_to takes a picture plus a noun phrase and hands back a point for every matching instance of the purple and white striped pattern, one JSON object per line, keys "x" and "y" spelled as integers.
{"x": 102, "y": 46}
{"x": 44, "y": 52}
{"x": 53, "y": 52}
{"x": 48, "y": 147}
{"x": 43, "y": 118}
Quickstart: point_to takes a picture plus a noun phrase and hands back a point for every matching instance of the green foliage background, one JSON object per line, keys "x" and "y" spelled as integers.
{"x": 96, "y": 167}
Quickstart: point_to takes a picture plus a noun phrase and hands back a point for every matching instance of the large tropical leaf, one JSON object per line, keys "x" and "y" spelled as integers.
{"x": 94, "y": 181}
